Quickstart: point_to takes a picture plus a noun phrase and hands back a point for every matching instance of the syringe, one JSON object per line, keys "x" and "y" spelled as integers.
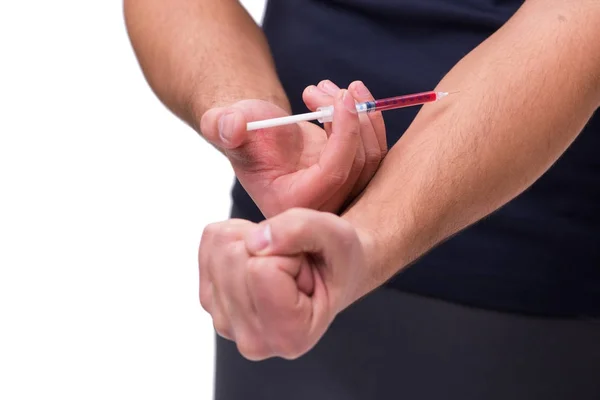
{"x": 325, "y": 114}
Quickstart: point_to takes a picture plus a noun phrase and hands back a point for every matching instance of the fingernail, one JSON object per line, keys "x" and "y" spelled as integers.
{"x": 260, "y": 239}
{"x": 226, "y": 123}
{"x": 330, "y": 88}
{"x": 349, "y": 102}
{"x": 362, "y": 90}
{"x": 314, "y": 89}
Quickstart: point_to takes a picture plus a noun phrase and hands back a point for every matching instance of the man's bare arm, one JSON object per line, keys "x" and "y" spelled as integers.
{"x": 525, "y": 95}
{"x": 199, "y": 54}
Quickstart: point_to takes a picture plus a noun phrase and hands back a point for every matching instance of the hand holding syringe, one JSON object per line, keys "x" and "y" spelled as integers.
{"x": 325, "y": 114}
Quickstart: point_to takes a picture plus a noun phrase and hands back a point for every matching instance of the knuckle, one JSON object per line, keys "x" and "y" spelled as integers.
{"x": 221, "y": 326}
{"x": 295, "y": 223}
{"x": 292, "y": 356}
{"x": 251, "y": 348}
{"x": 377, "y": 121}
{"x": 288, "y": 348}
{"x": 258, "y": 282}
{"x": 237, "y": 251}
{"x": 220, "y": 233}
{"x": 365, "y": 121}
{"x": 210, "y": 231}
{"x": 205, "y": 302}
{"x": 299, "y": 227}
{"x": 376, "y": 117}
{"x": 360, "y": 160}
{"x": 337, "y": 178}
{"x": 354, "y": 131}
{"x": 225, "y": 273}
{"x": 295, "y": 214}
{"x": 254, "y": 268}
{"x": 257, "y": 275}
{"x": 206, "y": 297}
{"x": 290, "y": 339}
{"x": 384, "y": 152}
{"x": 373, "y": 157}
{"x": 295, "y": 211}
{"x": 228, "y": 230}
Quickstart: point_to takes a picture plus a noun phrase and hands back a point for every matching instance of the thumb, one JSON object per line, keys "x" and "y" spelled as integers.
{"x": 299, "y": 231}
{"x": 224, "y": 127}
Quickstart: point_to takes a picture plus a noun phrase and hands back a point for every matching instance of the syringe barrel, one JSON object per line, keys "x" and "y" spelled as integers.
{"x": 389, "y": 103}
{"x": 392, "y": 103}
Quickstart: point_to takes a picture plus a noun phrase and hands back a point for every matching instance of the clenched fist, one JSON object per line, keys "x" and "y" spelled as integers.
{"x": 275, "y": 287}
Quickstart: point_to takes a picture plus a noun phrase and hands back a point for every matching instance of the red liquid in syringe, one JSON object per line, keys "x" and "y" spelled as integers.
{"x": 391, "y": 103}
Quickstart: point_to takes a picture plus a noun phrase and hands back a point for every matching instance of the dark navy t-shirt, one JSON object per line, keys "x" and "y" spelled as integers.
{"x": 540, "y": 253}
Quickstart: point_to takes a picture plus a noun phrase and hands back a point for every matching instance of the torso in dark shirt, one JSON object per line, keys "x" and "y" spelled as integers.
{"x": 538, "y": 254}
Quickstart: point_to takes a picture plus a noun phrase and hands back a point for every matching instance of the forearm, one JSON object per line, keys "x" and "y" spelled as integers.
{"x": 199, "y": 54}
{"x": 525, "y": 95}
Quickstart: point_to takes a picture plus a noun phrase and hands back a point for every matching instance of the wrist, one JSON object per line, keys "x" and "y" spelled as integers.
{"x": 389, "y": 245}
{"x": 369, "y": 277}
{"x": 369, "y": 243}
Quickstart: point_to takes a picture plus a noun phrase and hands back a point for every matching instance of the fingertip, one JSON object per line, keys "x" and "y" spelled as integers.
{"x": 360, "y": 90}
{"x": 308, "y": 95}
{"x": 309, "y": 90}
{"x": 232, "y": 128}
{"x": 348, "y": 101}
{"x": 328, "y": 87}
{"x": 314, "y": 97}
{"x": 354, "y": 85}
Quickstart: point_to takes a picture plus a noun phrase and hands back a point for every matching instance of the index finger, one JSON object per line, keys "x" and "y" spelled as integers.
{"x": 337, "y": 158}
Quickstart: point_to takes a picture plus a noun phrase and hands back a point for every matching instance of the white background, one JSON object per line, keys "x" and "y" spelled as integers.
{"x": 103, "y": 198}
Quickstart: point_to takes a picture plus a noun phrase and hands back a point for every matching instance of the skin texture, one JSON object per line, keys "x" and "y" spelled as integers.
{"x": 274, "y": 292}
{"x": 465, "y": 158}
{"x": 203, "y": 69}
{"x": 201, "y": 54}
{"x": 301, "y": 165}
{"x": 275, "y": 287}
